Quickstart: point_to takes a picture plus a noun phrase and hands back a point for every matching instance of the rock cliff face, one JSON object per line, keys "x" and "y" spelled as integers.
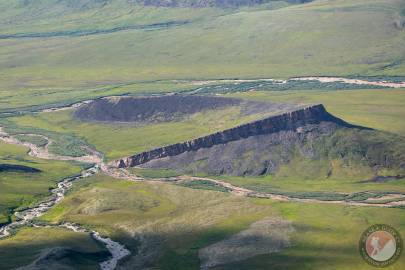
{"x": 291, "y": 121}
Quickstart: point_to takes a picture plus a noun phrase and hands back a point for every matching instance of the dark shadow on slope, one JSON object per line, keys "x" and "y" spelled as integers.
{"x": 18, "y": 168}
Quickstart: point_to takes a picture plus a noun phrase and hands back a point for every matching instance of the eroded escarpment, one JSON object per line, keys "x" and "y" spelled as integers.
{"x": 254, "y": 155}
{"x": 291, "y": 121}
{"x": 309, "y": 136}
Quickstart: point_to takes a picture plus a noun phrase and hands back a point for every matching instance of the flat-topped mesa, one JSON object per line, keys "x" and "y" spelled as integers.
{"x": 287, "y": 121}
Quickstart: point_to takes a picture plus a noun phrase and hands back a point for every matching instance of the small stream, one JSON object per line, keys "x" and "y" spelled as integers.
{"x": 26, "y": 217}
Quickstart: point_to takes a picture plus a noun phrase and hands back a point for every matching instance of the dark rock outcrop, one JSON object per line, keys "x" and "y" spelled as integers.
{"x": 150, "y": 109}
{"x": 252, "y": 156}
{"x": 167, "y": 108}
{"x": 291, "y": 121}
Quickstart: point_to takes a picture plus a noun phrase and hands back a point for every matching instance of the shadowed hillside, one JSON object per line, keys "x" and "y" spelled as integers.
{"x": 168, "y": 108}
{"x": 149, "y": 109}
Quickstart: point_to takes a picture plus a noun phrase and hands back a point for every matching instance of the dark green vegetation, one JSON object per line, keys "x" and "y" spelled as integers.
{"x": 37, "y": 140}
{"x": 27, "y": 180}
{"x": 207, "y": 185}
{"x": 50, "y": 248}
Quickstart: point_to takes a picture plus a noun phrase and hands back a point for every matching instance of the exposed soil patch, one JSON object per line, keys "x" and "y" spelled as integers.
{"x": 262, "y": 237}
{"x": 17, "y": 168}
{"x": 162, "y": 108}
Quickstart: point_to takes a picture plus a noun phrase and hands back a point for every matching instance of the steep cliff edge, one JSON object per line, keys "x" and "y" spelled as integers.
{"x": 295, "y": 121}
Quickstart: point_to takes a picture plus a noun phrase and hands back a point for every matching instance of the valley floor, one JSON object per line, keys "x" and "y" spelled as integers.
{"x": 170, "y": 221}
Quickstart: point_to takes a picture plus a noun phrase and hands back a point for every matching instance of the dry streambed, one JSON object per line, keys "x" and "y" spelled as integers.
{"x": 26, "y": 217}
{"x": 320, "y": 79}
{"x": 388, "y": 200}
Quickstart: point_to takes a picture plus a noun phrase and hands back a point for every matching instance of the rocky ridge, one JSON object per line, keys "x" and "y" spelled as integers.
{"x": 290, "y": 121}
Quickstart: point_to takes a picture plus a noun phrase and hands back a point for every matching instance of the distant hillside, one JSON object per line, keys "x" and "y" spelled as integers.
{"x": 211, "y": 3}
{"x": 82, "y": 44}
{"x": 91, "y": 4}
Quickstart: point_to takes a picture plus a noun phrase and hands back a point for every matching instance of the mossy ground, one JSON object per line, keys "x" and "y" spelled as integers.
{"x": 22, "y": 189}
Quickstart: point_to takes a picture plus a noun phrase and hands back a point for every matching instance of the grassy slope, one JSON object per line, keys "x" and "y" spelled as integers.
{"x": 28, "y": 243}
{"x": 300, "y": 186}
{"x": 320, "y": 242}
{"x": 118, "y": 140}
{"x": 378, "y": 109}
{"x": 199, "y": 218}
{"x": 23, "y": 189}
{"x": 187, "y": 219}
{"x": 342, "y": 37}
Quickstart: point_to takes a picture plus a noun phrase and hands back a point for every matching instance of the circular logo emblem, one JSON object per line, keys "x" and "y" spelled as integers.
{"x": 380, "y": 245}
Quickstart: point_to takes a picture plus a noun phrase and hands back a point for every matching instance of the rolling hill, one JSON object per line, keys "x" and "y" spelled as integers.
{"x": 79, "y": 49}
